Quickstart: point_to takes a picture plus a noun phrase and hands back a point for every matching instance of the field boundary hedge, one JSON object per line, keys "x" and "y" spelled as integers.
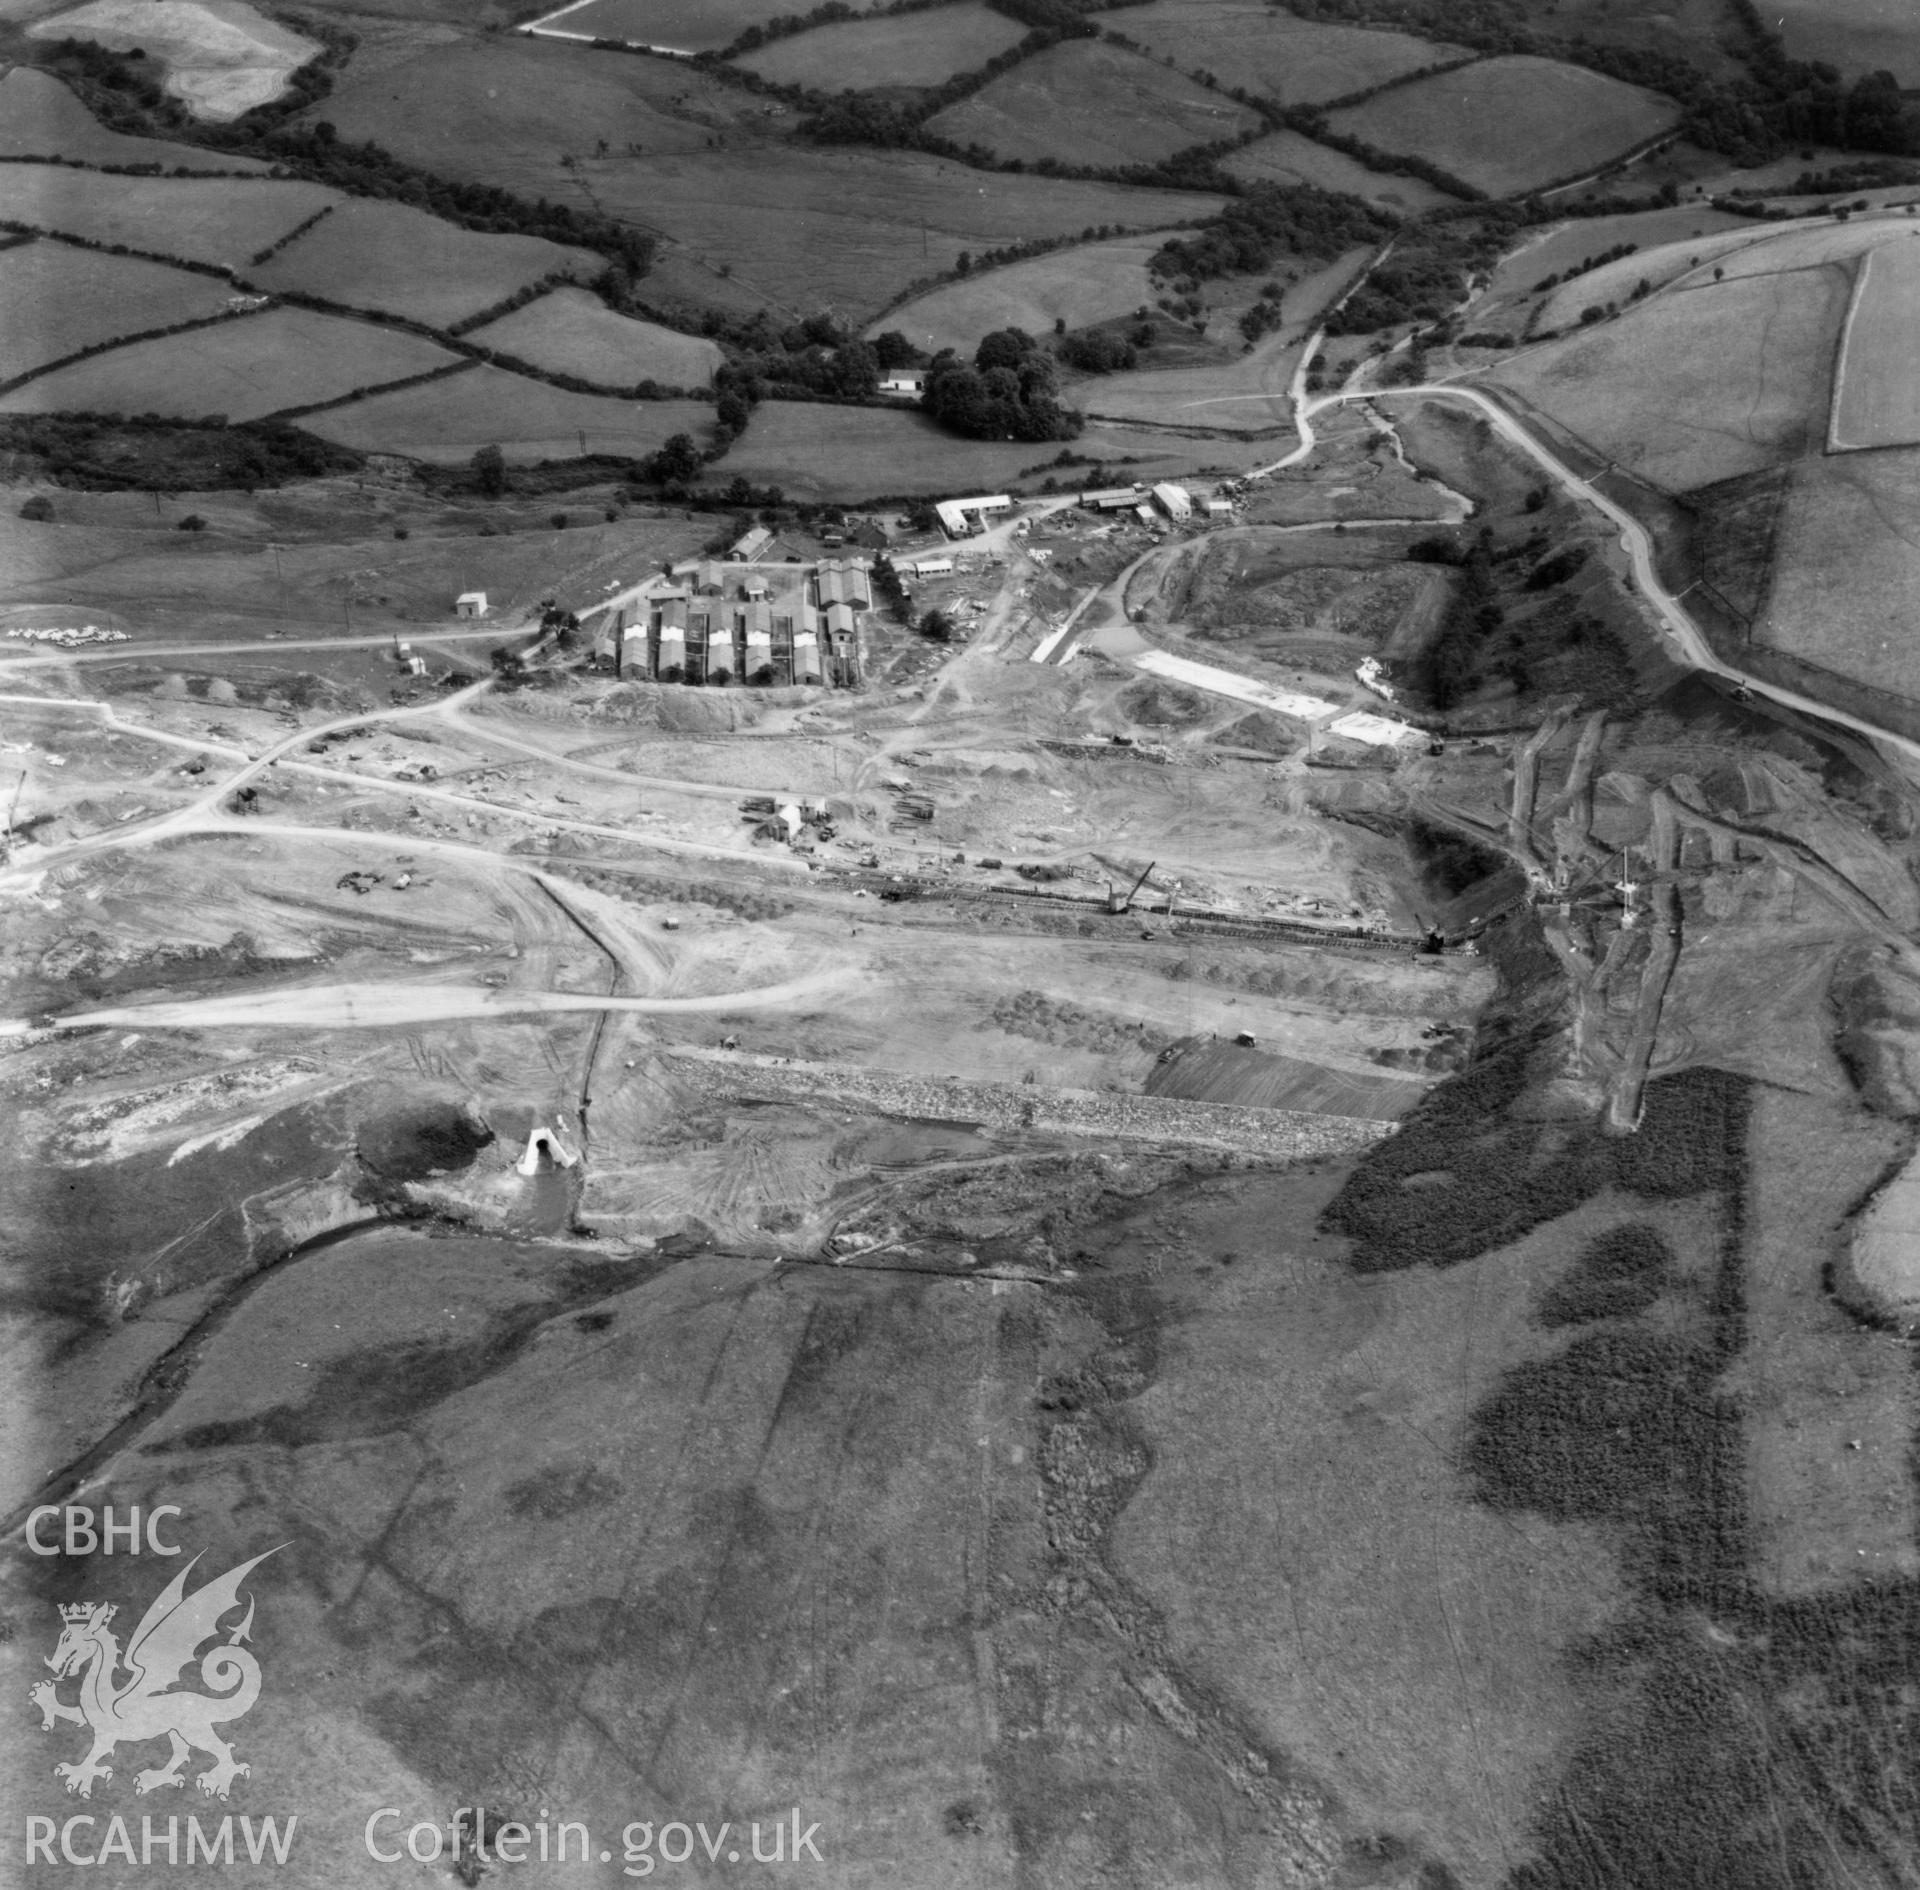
{"x": 126, "y": 341}
{"x": 285, "y": 416}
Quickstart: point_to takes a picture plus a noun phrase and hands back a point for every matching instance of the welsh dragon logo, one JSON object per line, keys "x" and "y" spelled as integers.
{"x": 141, "y": 1707}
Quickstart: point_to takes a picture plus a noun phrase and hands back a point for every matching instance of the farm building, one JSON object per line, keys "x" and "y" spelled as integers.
{"x": 1218, "y": 507}
{"x": 470, "y": 604}
{"x": 910, "y": 382}
{"x": 954, "y": 514}
{"x": 931, "y": 567}
{"x": 1111, "y": 499}
{"x": 752, "y": 545}
{"x": 710, "y": 619}
{"x": 1175, "y": 501}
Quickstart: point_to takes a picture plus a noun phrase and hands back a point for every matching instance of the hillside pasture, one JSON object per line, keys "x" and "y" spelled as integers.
{"x": 1288, "y": 157}
{"x": 244, "y": 369}
{"x": 1697, "y": 385}
{"x": 449, "y": 421}
{"x": 1555, "y": 250}
{"x": 1512, "y": 124}
{"x": 504, "y": 108}
{"x": 850, "y": 229}
{"x": 909, "y": 49}
{"x": 39, "y": 117}
{"x": 674, "y": 25}
{"x": 1299, "y": 62}
{"x": 1858, "y": 36}
{"x": 221, "y": 220}
{"x": 1094, "y": 282}
{"x": 56, "y": 300}
{"x": 1085, "y": 102}
{"x": 571, "y": 331}
{"x": 1847, "y": 569}
{"x": 1876, "y": 396}
{"x": 222, "y": 57}
{"x": 401, "y": 261}
{"x": 850, "y": 453}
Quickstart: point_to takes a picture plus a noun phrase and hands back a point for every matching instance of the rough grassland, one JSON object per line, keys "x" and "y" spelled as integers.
{"x": 55, "y": 300}
{"x": 222, "y": 220}
{"x": 572, "y": 331}
{"x": 1093, "y": 283}
{"x": 222, "y": 57}
{"x": 1617, "y": 281}
{"x": 1508, "y": 125}
{"x": 1847, "y": 569}
{"x": 908, "y": 49}
{"x": 1855, "y": 35}
{"x": 683, "y": 25}
{"x": 1697, "y": 385}
{"x": 286, "y": 357}
{"x": 1089, "y": 103}
{"x": 1288, "y": 158}
{"x": 386, "y": 256}
{"x": 1876, "y": 395}
{"x": 1315, "y": 1553}
{"x": 39, "y": 117}
{"x": 449, "y": 421}
{"x": 1246, "y": 43}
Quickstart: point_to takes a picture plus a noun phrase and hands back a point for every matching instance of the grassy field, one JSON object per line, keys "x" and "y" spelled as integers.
{"x": 222, "y": 57}
{"x": 403, "y": 262}
{"x": 1508, "y": 125}
{"x": 449, "y": 421}
{"x": 218, "y": 220}
{"x": 39, "y": 117}
{"x": 1085, "y": 102}
{"x": 682, "y": 25}
{"x": 1289, "y": 158}
{"x": 1091, "y": 283}
{"x": 1855, "y": 35}
{"x": 747, "y": 220}
{"x": 516, "y": 104}
{"x": 1876, "y": 400}
{"x": 1300, "y": 62}
{"x": 863, "y": 452}
{"x": 907, "y": 49}
{"x": 55, "y": 299}
{"x": 286, "y": 357}
{"x": 572, "y": 331}
{"x": 1847, "y": 569}
{"x": 1697, "y": 384}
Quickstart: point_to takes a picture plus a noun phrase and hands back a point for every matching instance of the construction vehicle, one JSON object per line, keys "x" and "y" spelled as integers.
{"x": 1122, "y": 903}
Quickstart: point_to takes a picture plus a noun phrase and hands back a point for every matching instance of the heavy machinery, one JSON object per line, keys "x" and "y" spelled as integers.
{"x": 1121, "y": 903}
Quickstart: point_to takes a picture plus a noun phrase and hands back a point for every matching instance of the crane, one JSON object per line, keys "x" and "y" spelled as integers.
{"x": 1123, "y": 902}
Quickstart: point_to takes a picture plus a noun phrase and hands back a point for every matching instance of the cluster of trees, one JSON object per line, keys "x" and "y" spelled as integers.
{"x": 1007, "y": 393}
{"x": 1621, "y": 1273}
{"x": 1270, "y": 221}
{"x": 1101, "y": 351}
{"x": 1451, "y": 664}
{"x": 815, "y": 359}
{"x": 147, "y": 453}
{"x": 1585, "y": 264}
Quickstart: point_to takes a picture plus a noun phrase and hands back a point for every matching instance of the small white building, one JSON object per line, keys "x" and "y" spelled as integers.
{"x": 908, "y": 382}
{"x": 1218, "y": 507}
{"x": 931, "y": 567}
{"x": 751, "y": 546}
{"x": 470, "y": 604}
{"x": 1175, "y": 501}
